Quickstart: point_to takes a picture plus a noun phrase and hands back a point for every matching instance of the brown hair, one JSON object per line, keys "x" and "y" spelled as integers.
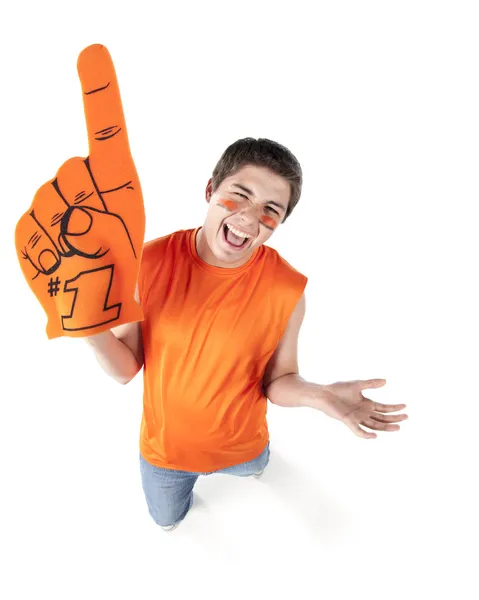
{"x": 263, "y": 153}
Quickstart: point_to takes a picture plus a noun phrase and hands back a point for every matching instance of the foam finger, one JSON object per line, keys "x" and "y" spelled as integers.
{"x": 36, "y": 251}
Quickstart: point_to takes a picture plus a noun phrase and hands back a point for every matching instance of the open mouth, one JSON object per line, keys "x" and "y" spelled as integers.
{"x": 234, "y": 241}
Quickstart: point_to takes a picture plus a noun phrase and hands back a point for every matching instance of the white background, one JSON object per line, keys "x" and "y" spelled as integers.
{"x": 379, "y": 102}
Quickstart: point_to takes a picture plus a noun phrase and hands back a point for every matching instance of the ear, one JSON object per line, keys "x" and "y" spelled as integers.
{"x": 209, "y": 190}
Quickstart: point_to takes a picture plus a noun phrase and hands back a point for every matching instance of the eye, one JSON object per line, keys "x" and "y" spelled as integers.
{"x": 242, "y": 195}
{"x": 272, "y": 209}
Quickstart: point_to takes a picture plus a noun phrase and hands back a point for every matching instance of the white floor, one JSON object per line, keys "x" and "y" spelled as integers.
{"x": 333, "y": 516}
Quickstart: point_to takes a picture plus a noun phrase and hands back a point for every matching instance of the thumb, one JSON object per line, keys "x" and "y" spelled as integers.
{"x": 372, "y": 383}
{"x": 90, "y": 232}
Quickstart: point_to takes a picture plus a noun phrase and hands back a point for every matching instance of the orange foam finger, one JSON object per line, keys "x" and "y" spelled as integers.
{"x": 110, "y": 159}
{"x": 76, "y": 185}
{"x": 80, "y": 243}
{"x": 104, "y": 116}
{"x": 36, "y": 251}
{"x": 101, "y": 100}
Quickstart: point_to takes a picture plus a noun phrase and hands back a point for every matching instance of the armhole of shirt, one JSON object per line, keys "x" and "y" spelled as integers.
{"x": 152, "y": 253}
{"x": 142, "y": 274}
{"x": 299, "y": 291}
{"x": 292, "y": 288}
{"x": 294, "y": 296}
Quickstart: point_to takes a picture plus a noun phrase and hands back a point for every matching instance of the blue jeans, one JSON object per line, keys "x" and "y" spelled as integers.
{"x": 169, "y": 493}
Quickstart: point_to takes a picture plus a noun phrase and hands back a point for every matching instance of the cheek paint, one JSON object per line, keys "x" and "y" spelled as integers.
{"x": 228, "y": 204}
{"x": 269, "y": 223}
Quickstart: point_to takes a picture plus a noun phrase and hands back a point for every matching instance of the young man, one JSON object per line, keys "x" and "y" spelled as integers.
{"x": 220, "y": 335}
{"x": 222, "y": 311}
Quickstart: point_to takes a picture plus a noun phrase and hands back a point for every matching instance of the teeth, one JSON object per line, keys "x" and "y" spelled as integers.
{"x": 237, "y": 232}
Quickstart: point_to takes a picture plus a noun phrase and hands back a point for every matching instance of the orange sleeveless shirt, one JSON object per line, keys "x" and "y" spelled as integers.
{"x": 208, "y": 335}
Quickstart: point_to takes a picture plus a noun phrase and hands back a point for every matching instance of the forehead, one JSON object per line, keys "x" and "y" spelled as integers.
{"x": 262, "y": 182}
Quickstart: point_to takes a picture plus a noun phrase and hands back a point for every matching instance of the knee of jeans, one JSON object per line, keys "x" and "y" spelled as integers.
{"x": 168, "y": 516}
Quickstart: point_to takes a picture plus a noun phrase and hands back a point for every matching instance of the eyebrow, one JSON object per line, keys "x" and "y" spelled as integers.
{"x": 248, "y": 191}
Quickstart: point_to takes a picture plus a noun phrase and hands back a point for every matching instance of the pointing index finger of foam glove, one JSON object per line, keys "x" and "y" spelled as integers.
{"x": 107, "y": 135}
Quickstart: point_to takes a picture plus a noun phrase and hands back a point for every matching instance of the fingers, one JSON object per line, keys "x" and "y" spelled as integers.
{"x": 361, "y": 432}
{"x": 89, "y": 232}
{"x": 388, "y": 418}
{"x": 378, "y": 425}
{"x": 105, "y": 121}
{"x": 373, "y": 421}
{"x": 35, "y": 245}
{"x": 75, "y": 184}
{"x": 22, "y": 235}
{"x": 372, "y": 383}
{"x": 40, "y": 232}
{"x": 387, "y": 407}
{"x": 47, "y": 210}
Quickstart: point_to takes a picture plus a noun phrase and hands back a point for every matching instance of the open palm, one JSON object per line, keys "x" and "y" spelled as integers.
{"x": 344, "y": 401}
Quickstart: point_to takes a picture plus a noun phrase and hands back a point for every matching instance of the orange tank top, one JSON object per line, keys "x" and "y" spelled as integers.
{"x": 208, "y": 334}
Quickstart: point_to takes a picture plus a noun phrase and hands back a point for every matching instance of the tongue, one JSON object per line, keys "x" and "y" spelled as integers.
{"x": 234, "y": 239}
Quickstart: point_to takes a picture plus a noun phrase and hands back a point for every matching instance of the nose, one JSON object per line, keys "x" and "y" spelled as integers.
{"x": 251, "y": 211}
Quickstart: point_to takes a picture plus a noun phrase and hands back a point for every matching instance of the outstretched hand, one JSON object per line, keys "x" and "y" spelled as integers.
{"x": 344, "y": 401}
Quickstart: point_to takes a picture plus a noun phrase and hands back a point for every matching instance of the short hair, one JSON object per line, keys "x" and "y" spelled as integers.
{"x": 263, "y": 153}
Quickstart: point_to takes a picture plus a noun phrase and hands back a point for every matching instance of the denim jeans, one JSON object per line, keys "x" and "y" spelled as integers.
{"x": 169, "y": 493}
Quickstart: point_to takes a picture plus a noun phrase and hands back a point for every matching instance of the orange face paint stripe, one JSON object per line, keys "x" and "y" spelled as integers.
{"x": 269, "y": 223}
{"x": 232, "y": 205}
{"x": 228, "y": 204}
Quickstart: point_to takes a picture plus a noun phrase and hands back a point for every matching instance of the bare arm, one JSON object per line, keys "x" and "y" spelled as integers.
{"x": 120, "y": 350}
{"x": 282, "y": 383}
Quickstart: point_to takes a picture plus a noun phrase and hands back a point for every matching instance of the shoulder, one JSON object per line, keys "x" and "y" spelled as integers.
{"x": 157, "y": 254}
{"x": 157, "y": 244}
{"x": 155, "y": 248}
{"x": 283, "y": 269}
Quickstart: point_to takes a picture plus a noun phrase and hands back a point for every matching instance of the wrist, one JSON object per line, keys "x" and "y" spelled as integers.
{"x": 314, "y": 395}
{"x": 98, "y": 338}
